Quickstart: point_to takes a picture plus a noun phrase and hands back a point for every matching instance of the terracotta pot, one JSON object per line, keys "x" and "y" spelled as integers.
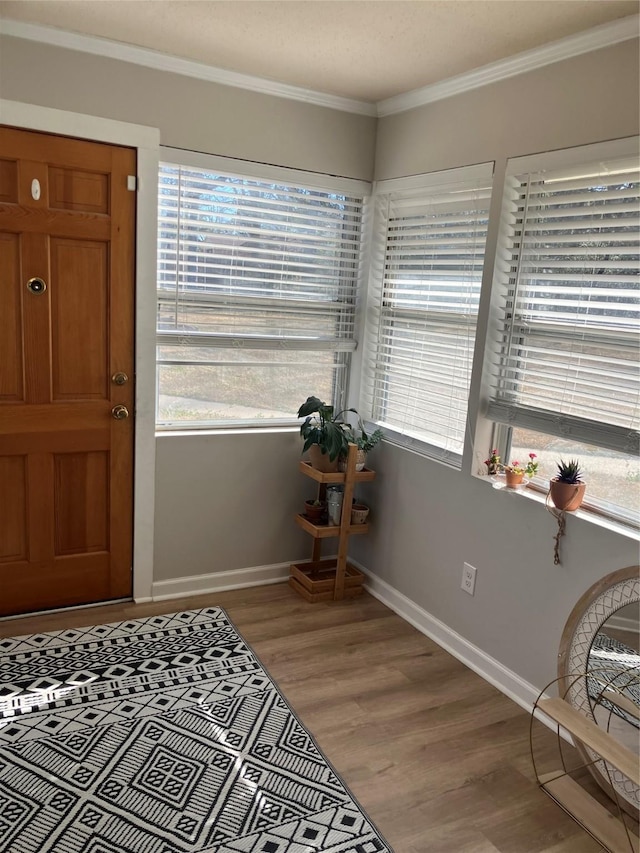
{"x": 315, "y": 513}
{"x": 320, "y": 461}
{"x": 567, "y": 496}
{"x": 514, "y": 479}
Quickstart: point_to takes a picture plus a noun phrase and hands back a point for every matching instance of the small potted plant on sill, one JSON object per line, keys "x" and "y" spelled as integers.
{"x": 515, "y": 472}
{"x": 364, "y": 441}
{"x": 325, "y": 435}
{"x": 567, "y": 487}
{"x": 493, "y": 463}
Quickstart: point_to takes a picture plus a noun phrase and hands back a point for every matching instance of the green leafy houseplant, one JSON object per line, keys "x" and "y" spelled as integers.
{"x": 366, "y": 441}
{"x": 567, "y": 488}
{"x": 324, "y": 428}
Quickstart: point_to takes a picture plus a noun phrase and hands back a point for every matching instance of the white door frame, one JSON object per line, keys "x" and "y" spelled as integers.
{"x": 146, "y": 140}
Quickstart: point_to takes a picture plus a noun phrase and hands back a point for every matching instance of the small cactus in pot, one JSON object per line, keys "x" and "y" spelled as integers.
{"x": 567, "y": 488}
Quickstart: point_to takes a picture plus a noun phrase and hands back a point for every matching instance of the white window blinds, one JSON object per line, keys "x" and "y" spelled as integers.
{"x": 428, "y": 253}
{"x": 567, "y": 341}
{"x": 256, "y": 263}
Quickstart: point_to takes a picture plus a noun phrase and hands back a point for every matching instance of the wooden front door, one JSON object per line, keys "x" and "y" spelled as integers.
{"x": 67, "y": 221}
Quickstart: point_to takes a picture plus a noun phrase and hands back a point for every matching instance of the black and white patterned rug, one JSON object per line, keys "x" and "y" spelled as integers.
{"x": 161, "y": 735}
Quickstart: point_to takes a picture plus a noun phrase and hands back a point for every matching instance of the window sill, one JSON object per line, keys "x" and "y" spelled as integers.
{"x": 173, "y": 432}
{"x": 532, "y": 493}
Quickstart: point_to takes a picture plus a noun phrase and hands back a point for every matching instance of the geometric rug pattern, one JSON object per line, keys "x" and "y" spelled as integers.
{"x": 161, "y": 735}
{"x": 616, "y": 666}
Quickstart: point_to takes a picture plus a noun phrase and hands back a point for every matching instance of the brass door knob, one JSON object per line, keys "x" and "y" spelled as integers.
{"x": 120, "y": 412}
{"x": 119, "y": 378}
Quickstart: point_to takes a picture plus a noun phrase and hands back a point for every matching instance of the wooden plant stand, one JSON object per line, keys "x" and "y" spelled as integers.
{"x": 334, "y": 578}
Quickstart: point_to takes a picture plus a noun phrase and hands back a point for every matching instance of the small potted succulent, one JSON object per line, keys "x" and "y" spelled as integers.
{"x": 567, "y": 487}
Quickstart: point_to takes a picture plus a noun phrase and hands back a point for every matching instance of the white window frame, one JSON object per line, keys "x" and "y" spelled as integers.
{"x": 502, "y": 412}
{"x": 418, "y": 187}
{"x": 342, "y": 348}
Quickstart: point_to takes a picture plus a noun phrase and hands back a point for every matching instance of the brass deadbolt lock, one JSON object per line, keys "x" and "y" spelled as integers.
{"x": 119, "y": 378}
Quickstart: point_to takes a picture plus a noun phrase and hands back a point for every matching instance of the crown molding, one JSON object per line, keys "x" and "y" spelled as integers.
{"x": 176, "y": 65}
{"x": 601, "y": 36}
{"x": 604, "y": 35}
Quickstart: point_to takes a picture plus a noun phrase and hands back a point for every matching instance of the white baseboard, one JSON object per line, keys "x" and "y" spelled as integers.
{"x": 219, "y": 581}
{"x": 504, "y": 679}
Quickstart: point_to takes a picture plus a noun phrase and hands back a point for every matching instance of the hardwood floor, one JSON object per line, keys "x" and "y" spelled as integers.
{"x": 438, "y": 757}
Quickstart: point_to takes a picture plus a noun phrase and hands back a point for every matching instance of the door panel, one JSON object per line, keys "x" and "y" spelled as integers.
{"x": 66, "y": 465}
{"x": 81, "y": 502}
{"x": 11, "y": 381}
{"x": 13, "y": 508}
{"x": 8, "y": 181}
{"x": 71, "y": 189}
{"x": 36, "y": 318}
{"x": 79, "y": 305}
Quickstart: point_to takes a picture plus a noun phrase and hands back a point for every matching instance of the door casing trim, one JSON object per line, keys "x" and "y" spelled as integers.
{"x": 146, "y": 140}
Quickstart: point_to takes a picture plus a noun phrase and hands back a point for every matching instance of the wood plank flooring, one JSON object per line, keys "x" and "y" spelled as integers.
{"x": 437, "y": 757}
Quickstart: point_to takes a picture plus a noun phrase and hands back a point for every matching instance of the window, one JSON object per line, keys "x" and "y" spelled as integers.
{"x": 428, "y": 254}
{"x": 567, "y": 344}
{"x": 257, "y": 281}
{"x": 613, "y": 478}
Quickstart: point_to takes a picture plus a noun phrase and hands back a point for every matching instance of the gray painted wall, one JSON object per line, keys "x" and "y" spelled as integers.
{"x": 590, "y": 98}
{"x": 226, "y": 501}
{"x": 190, "y": 113}
{"x": 631, "y": 612}
{"x": 427, "y": 520}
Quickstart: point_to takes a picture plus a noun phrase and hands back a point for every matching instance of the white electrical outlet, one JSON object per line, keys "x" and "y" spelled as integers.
{"x": 468, "y": 579}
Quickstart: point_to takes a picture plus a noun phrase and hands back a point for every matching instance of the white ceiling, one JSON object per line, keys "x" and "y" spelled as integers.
{"x": 363, "y": 49}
